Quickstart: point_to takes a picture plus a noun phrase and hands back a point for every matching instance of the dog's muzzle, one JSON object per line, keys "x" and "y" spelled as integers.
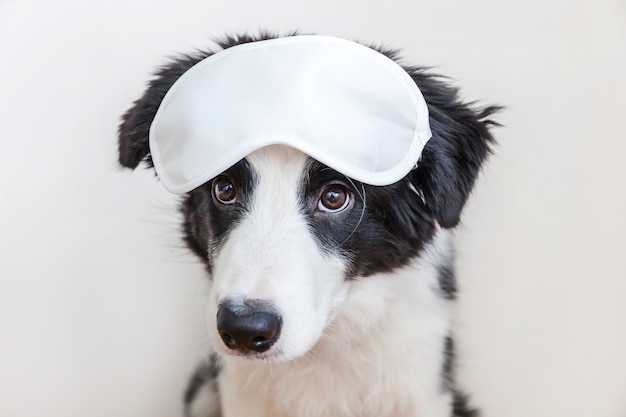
{"x": 248, "y": 327}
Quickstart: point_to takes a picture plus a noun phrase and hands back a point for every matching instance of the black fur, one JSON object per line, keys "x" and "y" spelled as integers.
{"x": 205, "y": 373}
{"x": 454, "y": 155}
{"x": 206, "y": 223}
{"x": 386, "y": 228}
{"x": 448, "y": 364}
{"x": 394, "y": 222}
{"x": 460, "y": 407}
{"x": 447, "y": 281}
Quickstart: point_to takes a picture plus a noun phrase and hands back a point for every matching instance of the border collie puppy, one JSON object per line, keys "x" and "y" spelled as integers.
{"x": 332, "y": 286}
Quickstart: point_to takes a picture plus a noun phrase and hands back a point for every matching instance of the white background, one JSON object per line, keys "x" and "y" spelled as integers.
{"x": 101, "y": 308}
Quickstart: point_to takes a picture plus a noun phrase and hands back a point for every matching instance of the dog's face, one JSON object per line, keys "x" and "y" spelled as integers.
{"x": 275, "y": 283}
{"x": 284, "y": 236}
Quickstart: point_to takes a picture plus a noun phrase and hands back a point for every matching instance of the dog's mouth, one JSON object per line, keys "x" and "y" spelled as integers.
{"x": 274, "y": 356}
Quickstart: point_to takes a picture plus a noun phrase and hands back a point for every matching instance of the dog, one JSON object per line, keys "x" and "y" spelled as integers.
{"x": 330, "y": 297}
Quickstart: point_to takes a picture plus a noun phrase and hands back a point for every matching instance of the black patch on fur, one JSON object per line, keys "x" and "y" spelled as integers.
{"x": 460, "y": 405}
{"x": 205, "y": 373}
{"x": 196, "y": 229}
{"x": 461, "y": 408}
{"x": 206, "y": 222}
{"x": 447, "y": 281}
{"x": 448, "y": 364}
{"x": 384, "y": 230}
{"x": 459, "y": 146}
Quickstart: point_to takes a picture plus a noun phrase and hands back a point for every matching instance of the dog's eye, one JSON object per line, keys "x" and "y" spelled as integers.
{"x": 224, "y": 190}
{"x": 335, "y": 198}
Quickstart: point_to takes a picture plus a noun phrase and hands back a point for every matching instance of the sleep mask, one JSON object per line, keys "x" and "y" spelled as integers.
{"x": 342, "y": 103}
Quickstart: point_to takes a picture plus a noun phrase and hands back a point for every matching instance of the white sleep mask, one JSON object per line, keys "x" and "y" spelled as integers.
{"x": 342, "y": 103}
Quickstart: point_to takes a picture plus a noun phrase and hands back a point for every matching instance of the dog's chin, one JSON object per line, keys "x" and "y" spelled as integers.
{"x": 272, "y": 355}
{"x": 281, "y": 352}
{"x": 269, "y": 356}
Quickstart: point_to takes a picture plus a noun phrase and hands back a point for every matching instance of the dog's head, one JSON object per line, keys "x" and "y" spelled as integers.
{"x": 283, "y": 235}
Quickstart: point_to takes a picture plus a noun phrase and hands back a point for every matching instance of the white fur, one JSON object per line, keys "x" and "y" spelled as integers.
{"x": 370, "y": 347}
{"x": 272, "y": 256}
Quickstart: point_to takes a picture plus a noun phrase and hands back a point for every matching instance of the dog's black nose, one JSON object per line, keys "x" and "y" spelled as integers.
{"x": 251, "y": 327}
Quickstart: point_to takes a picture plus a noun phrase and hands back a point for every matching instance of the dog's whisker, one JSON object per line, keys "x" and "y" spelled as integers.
{"x": 251, "y": 377}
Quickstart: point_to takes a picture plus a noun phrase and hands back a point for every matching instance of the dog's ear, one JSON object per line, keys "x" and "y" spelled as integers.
{"x": 453, "y": 157}
{"x": 135, "y": 127}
